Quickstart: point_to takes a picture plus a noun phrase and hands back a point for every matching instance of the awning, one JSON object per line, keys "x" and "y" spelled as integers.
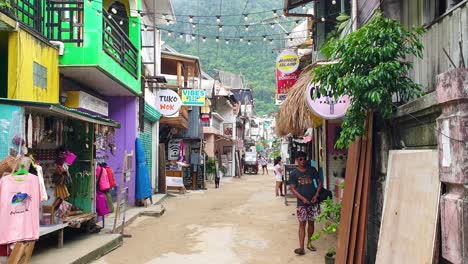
{"x": 294, "y": 116}
{"x": 60, "y": 110}
{"x": 151, "y": 113}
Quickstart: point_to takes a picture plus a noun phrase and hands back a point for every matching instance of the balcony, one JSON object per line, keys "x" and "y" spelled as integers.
{"x": 215, "y": 126}
{"x": 28, "y": 13}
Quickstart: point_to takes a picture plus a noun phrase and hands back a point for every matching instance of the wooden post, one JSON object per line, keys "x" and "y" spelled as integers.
{"x": 179, "y": 74}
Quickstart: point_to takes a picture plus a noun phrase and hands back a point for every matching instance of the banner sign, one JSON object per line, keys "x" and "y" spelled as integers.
{"x": 175, "y": 181}
{"x": 326, "y": 106}
{"x": 168, "y": 102}
{"x": 193, "y": 97}
{"x": 287, "y": 73}
{"x": 85, "y": 101}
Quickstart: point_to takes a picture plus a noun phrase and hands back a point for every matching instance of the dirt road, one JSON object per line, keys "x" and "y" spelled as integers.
{"x": 242, "y": 222}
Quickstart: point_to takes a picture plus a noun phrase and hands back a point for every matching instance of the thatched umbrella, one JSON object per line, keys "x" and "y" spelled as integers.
{"x": 294, "y": 116}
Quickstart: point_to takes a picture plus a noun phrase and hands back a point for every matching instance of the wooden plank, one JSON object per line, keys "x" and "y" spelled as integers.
{"x": 411, "y": 203}
{"x": 22, "y": 253}
{"x": 348, "y": 201}
{"x": 357, "y": 198}
{"x": 44, "y": 230}
{"x": 362, "y": 225}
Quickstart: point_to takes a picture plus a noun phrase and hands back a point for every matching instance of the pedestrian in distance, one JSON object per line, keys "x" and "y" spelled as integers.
{"x": 264, "y": 163}
{"x": 306, "y": 185}
{"x": 278, "y": 170}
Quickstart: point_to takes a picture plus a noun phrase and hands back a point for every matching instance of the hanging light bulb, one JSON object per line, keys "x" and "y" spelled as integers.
{"x": 140, "y": 14}
{"x": 98, "y": 13}
{"x": 194, "y": 25}
{"x": 227, "y": 41}
{"x": 246, "y": 17}
{"x": 191, "y": 19}
{"x": 121, "y": 22}
{"x": 204, "y": 39}
{"x": 163, "y": 16}
{"x": 248, "y": 42}
{"x": 220, "y": 28}
{"x": 241, "y": 39}
{"x": 290, "y": 39}
{"x": 272, "y": 25}
{"x": 333, "y": 2}
{"x": 181, "y": 35}
{"x": 217, "y": 39}
{"x": 304, "y": 7}
{"x": 114, "y": 11}
{"x": 271, "y": 41}
{"x": 246, "y": 27}
{"x": 296, "y": 22}
{"x": 157, "y": 30}
{"x": 145, "y": 27}
{"x": 287, "y": 34}
{"x": 109, "y": 16}
{"x": 89, "y": 2}
{"x": 133, "y": 24}
{"x": 193, "y": 36}
{"x": 275, "y": 13}
{"x": 323, "y": 19}
{"x": 169, "y": 33}
{"x": 168, "y": 22}
{"x": 218, "y": 19}
{"x": 264, "y": 38}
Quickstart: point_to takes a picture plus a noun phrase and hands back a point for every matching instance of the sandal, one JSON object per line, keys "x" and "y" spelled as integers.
{"x": 311, "y": 247}
{"x": 299, "y": 251}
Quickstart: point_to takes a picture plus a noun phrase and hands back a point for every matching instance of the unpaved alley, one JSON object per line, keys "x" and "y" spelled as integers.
{"x": 242, "y": 222}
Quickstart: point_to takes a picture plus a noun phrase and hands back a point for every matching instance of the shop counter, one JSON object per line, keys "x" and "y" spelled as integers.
{"x": 44, "y": 230}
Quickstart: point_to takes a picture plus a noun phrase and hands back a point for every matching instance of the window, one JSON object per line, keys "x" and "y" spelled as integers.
{"x": 39, "y": 76}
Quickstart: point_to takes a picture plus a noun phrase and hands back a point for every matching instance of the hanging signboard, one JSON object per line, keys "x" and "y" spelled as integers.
{"x": 287, "y": 73}
{"x": 168, "y": 102}
{"x": 325, "y": 106}
{"x": 173, "y": 151}
{"x": 227, "y": 129}
{"x": 192, "y": 97}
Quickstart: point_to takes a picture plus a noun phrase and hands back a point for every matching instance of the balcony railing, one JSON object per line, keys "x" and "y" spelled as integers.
{"x": 117, "y": 45}
{"x": 28, "y": 12}
{"x": 65, "y": 21}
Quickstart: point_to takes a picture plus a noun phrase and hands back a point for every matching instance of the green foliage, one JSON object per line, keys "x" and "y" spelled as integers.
{"x": 211, "y": 166}
{"x": 223, "y": 169}
{"x": 255, "y": 62}
{"x": 5, "y": 4}
{"x": 372, "y": 68}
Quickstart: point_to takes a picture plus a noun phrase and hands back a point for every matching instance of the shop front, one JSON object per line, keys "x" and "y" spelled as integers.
{"x": 66, "y": 150}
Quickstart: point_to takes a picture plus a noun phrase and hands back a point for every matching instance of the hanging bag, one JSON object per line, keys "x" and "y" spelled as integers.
{"x": 102, "y": 207}
{"x": 103, "y": 181}
{"x": 111, "y": 177}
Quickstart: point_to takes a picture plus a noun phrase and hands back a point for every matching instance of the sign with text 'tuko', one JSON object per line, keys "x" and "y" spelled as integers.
{"x": 168, "y": 102}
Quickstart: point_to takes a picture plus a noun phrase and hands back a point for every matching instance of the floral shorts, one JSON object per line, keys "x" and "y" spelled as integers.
{"x": 308, "y": 212}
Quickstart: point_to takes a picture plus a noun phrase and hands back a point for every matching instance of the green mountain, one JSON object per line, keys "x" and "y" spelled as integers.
{"x": 256, "y": 62}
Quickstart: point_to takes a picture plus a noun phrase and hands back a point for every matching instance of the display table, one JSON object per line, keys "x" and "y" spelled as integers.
{"x": 44, "y": 230}
{"x": 75, "y": 221}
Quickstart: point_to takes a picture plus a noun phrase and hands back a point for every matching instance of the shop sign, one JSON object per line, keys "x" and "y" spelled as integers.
{"x": 287, "y": 61}
{"x": 227, "y": 129}
{"x": 287, "y": 73}
{"x": 192, "y": 97}
{"x": 168, "y": 102}
{"x": 173, "y": 149}
{"x": 325, "y": 105}
{"x": 175, "y": 181}
{"x": 87, "y": 102}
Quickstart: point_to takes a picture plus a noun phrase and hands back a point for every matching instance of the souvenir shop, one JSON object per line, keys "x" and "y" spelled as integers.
{"x": 53, "y": 172}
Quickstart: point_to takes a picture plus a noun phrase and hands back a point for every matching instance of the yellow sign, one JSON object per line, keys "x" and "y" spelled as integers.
{"x": 193, "y": 97}
{"x": 287, "y": 61}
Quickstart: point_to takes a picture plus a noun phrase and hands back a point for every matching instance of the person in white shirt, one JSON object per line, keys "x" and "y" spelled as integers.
{"x": 264, "y": 163}
{"x": 278, "y": 169}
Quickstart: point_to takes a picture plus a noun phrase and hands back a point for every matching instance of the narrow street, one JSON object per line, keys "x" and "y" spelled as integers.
{"x": 241, "y": 222}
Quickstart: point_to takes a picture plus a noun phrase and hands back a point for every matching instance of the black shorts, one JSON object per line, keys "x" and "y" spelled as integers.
{"x": 264, "y": 166}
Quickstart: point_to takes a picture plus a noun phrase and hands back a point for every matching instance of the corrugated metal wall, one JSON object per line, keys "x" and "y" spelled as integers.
{"x": 147, "y": 139}
{"x": 195, "y": 129}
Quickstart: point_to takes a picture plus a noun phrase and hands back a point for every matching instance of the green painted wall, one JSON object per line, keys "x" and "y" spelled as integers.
{"x": 92, "y": 54}
{"x": 3, "y": 64}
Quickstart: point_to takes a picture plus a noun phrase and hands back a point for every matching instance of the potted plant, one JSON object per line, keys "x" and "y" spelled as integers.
{"x": 330, "y": 216}
{"x": 211, "y": 168}
{"x": 223, "y": 170}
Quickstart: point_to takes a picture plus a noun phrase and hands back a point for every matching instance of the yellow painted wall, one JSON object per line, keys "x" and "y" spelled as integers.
{"x": 24, "y": 50}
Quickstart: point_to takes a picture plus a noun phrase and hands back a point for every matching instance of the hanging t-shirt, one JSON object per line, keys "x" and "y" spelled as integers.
{"x": 20, "y": 199}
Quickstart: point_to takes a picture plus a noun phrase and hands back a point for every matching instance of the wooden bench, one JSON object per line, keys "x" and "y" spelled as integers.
{"x": 44, "y": 230}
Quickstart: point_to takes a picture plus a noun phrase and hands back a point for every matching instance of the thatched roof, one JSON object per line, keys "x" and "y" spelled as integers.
{"x": 294, "y": 116}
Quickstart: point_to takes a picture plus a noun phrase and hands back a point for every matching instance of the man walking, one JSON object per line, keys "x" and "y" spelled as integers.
{"x": 264, "y": 163}
{"x": 306, "y": 185}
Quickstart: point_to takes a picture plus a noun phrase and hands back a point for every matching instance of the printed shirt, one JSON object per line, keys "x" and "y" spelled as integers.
{"x": 306, "y": 183}
{"x": 263, "y": 161}
{"x": 19, "y": 208}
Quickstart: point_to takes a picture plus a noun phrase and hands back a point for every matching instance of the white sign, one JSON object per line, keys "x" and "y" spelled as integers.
{"x": 168, "y": 102}
{"x": 175, "y": 181}
{"x": 173, "y": 149}
{"x": 287, "y": 61}
{"x": 85, "y": 101}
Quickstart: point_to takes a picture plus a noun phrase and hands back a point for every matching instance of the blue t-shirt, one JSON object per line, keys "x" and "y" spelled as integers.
{"x": 306, "y": 183}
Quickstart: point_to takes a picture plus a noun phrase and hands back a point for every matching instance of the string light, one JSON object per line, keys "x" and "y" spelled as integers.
{"x": 157, "y": 30}
{"x": 168, "y": 22}
{"x": 246, "y": 27}
{"x": 169, "y": 33}
{"x": 145, "y": 27}
{"x": 98, "y": 13}
{"x": 181, "y": 35}
{"x": 275, "y": 13}
{"x": 217, "y": 39}
{"x": 140, "y": 14}
{"x": 304, "y": 7}
{"x": 163, "y": 16}
{"x": 193, "y": 36}
{"x": 133, "y": 24}
{"x": 323, "y": 19}
{"x": 114, "y": 11}
{"x": 333, "y": 2}
{"x": 246, "y": 17}
{"x": 241, "y": 39}
{"x": 297, "y": 22}
{"x": 290, "y": 39}
{"x": 89, "y": 2}
{"x": 194, "y": 26}
{"x": 204, "y": 39}
{"x": 191, "y": 19}
{"x": 227, "y": 41}
{"x": 121, "y": 22}
{"x": 271, "y": 41}
{"x": 272, "y": 25}
{"x": 248, "y": 42}
{"x": 218, "y": 19}
{"x": 109, "y": 16}
{"x": 264, "y": 38}
{"x": 220, "y": 28}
